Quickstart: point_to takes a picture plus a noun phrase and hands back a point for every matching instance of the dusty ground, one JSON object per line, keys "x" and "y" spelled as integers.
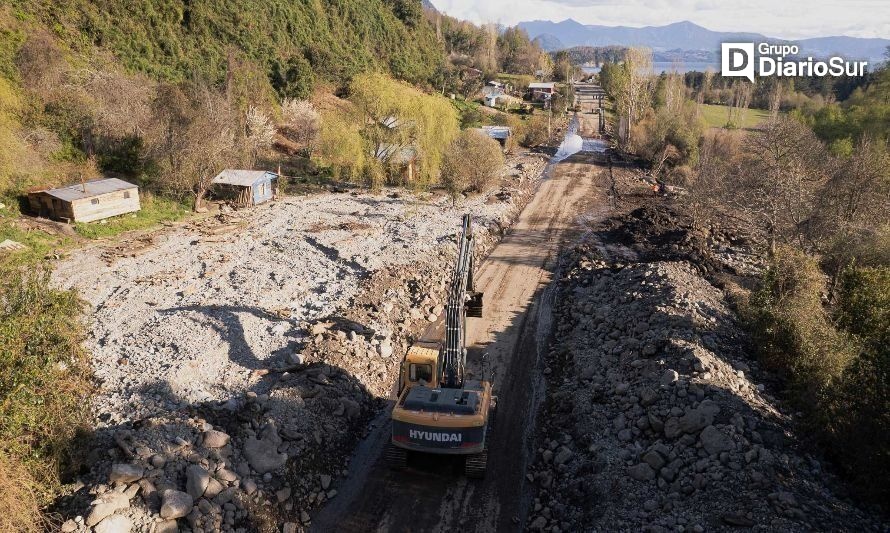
{"x": 197, "y": 309}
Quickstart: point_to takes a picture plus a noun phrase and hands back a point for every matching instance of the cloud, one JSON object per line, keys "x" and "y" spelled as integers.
{"x": 789, "y": 20}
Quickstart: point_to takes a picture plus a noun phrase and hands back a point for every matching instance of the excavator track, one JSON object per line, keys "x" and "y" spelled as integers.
{"x": 396, "y": 458}
{"x": 476, "y": 465}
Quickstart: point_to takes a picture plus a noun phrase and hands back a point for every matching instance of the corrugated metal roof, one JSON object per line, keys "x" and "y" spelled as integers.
{"x": 395, "y": 154}
{"x": 497, "y": 132}
{"x": 242, "y": 178}
{"x": 541, "y": 85}
{"x": 90, "y": 189}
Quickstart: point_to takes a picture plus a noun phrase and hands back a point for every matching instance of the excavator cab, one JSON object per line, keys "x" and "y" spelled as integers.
{"x": 420, "y": 367}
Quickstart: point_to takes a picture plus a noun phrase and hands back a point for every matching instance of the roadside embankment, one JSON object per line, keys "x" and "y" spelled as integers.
{"x": 656, "y": 417}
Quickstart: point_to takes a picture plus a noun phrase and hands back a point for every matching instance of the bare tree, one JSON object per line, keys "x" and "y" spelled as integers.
{"x": 705, "y": 86}
{"x": 258, "y": 134}
{"x": 741, "y": 97}
{"x": 471, "y": 162}
{"x": 854, "y": 206}
{"x": 780, "y": 179}
{"x": 300, "y": 122}
{"x": 712, "y": 181}
{"x": 630, "y": 86}
{"x": 191, "y": 138}
{"x": 775, "y": 100}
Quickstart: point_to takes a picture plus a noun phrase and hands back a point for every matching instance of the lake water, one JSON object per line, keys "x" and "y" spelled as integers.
{"x": 660, "y": 67}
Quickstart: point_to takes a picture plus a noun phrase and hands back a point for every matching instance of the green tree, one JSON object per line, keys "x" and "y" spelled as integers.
{"x": 396, "y": 116}
{"x": 293, "y": 78}
{"x": 471, "y": 163}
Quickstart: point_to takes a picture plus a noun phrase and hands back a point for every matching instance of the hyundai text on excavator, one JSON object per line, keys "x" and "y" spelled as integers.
{"x": 440, "y": 410}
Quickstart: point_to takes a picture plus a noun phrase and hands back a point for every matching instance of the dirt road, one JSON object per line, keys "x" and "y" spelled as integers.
{"x": 434, "y": 496}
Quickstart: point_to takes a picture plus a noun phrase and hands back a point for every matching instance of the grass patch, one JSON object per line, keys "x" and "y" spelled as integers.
{"x": 38, "y": 244}
{"x": 717, "y": 116}
{"x": 155, "y": 210}
{"x": 469, "y": 113}
{"x": 21, "y": 511}
{"x": 44, "y": 391}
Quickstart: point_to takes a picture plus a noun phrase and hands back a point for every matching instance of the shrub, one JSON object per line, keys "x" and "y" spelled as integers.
{"x": 471, "y": 163}
{"x": 534, "y": 131}
{"x": 792, "y": 329}
{"x": 340, "y": 146}
{"x": 44, "y": 386}
{"x": 859, "y": 408}
{"x": 840, "y": 371}
{"x": 21, "y": 511}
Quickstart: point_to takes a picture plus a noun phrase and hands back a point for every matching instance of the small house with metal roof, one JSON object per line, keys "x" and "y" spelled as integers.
{"x": 542, "y": 91}
{"x": 499, "y": 133}
{"x": 245, "y": 187}
{"x": 402, "y": 160}
{"x": 86, "y": 202}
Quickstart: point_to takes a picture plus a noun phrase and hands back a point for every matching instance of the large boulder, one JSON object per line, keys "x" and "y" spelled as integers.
{"x": 262, "y": 453}
{"x": 215, "y": 439}
{"x": 125, "y": 473}
{"x": 114, "y": 524}
{"x": 641, "y": 472}
{"x": 715, "y": 441}
{"x": 105, "y": 506}
{"x": 176, "y": 504}
{"x": 693, "y": 421}
{"x": 197, "y": 479}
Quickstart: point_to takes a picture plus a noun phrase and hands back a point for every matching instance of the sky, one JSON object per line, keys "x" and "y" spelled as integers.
{"x": 774, "y": 18}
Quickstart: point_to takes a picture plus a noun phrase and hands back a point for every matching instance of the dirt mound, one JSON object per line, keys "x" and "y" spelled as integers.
{"x": 658, "y": 231}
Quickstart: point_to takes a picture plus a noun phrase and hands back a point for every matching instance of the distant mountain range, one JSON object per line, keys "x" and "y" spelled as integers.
{"x": 689, "y": 36}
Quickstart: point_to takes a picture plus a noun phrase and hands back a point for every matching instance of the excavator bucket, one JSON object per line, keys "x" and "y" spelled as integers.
{"x": 474, "y": 305}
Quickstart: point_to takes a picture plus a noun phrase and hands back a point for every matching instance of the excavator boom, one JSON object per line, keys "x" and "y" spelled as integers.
{"x": 454, "y": 353}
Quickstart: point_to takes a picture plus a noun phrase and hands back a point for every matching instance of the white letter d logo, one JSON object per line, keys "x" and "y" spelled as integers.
{"x": 737, "y": 60}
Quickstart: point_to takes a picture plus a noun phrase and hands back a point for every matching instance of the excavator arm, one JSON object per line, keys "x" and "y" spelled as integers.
{"x": 463, "y": 300}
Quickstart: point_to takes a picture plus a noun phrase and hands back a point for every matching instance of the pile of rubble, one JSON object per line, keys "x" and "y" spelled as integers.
{"x": 249, "y": 464}
{"x": 190, "y": 439}
{"x": 656, "y": 420}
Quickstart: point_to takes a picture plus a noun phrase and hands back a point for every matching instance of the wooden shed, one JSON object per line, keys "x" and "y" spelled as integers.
{"x": 245, "y": 187}
{"x": 86, "y": 202}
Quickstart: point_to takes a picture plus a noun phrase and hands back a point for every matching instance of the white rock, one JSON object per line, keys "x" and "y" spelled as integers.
{"x": 114, "y": 524}
{"x": 385, "y": 349}
{"x": 176, "y": 504}
{"x": 105, "y": 506}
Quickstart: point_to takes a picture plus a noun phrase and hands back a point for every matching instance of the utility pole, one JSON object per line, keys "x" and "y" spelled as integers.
{"x": 549, "y": 115}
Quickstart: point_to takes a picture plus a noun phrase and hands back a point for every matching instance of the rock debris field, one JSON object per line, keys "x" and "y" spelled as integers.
{"x": 240, "y": 359}
{"x": 655, "y": 417}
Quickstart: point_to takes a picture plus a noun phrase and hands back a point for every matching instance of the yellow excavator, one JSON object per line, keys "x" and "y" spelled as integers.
{"x": 440, "y": 410}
